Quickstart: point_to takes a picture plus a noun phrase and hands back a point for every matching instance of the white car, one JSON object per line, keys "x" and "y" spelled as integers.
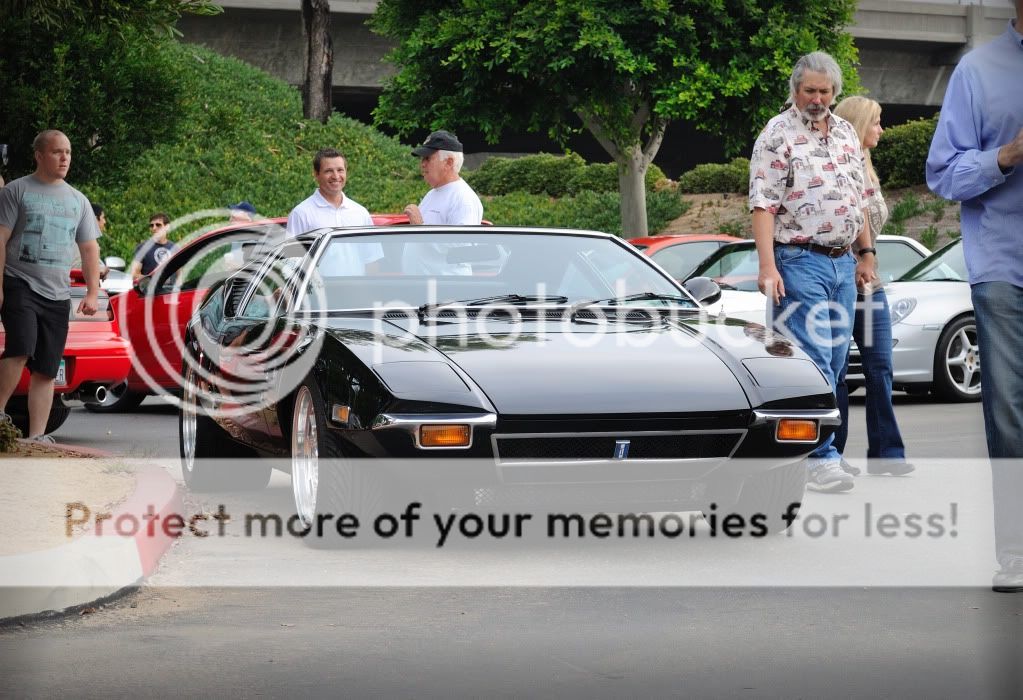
{"x": 934, "y": 332}
{"x": 735, "y": 268}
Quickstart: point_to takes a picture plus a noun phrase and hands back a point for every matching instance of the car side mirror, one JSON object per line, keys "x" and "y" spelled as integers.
{"x": 704, "y": 289}
{"x": 114, "y": 262}
{"x": 142, "y": 285}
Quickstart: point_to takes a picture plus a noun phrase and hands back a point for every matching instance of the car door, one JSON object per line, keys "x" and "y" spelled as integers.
{"x": 172, "y": 293}
{"x": 255, "y": 342}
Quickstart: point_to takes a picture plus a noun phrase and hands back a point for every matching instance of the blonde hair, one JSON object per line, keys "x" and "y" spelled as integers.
{"x": 861, "y": 112}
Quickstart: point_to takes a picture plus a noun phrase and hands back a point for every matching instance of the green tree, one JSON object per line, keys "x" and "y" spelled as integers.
{"x": 622, "y": 70}
{"x": 93, "y": 70}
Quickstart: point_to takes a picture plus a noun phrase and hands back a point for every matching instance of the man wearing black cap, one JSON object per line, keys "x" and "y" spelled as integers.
{"x": 450, "y": 201}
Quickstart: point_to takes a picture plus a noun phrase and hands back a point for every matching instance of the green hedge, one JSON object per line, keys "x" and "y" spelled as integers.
{"x": 599, "y": 211}
{"x": 552, "y": 175}
{"x": 245, "y": 139}
{"x": 901, "y": 155}
{"x": 717, "y": 177}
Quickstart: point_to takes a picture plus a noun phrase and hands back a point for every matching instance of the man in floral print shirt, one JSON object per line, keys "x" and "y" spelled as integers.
{"x": 807, "y": 196}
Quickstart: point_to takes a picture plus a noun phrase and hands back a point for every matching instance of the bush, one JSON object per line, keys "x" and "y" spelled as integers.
{"x": 598, "y": 211}
{"x": 901, "y": 155}
{"x": 115, "y": 93}
{"x": 552, "y": 175}
{"x": 246, "y": 139}
{"x": 542, "y": 173}
{"x": 717, "y": 177}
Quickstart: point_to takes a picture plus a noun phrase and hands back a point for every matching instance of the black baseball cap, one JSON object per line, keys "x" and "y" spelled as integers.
{"x": 438, "y": 141}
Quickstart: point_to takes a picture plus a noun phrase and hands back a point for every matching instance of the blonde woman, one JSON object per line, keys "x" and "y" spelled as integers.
{"x": 885, "y": 452}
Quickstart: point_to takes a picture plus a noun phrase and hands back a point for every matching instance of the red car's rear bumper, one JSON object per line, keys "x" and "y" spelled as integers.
{"x": 92, "y": 357}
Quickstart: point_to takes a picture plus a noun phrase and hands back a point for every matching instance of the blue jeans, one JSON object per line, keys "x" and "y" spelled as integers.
{"x": 998, "y": 307}
{"x": 884, "y": 441}
{"x": 816, "y": 313}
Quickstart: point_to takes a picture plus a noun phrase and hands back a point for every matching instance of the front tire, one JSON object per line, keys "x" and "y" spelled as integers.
{"x": 210, "y": 459}
{"x": 957, "y": 362}
{"x": 325, "y": 484}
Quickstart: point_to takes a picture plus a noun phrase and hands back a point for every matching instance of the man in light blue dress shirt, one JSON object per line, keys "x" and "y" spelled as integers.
{"x": 976, "y": 158}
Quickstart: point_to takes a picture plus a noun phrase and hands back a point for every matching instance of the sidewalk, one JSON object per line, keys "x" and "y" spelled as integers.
{"x": 94, "y": 566}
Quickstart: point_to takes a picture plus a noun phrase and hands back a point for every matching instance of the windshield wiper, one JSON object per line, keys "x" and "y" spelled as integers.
{"x": 641, "y": 296}
{"x": 514, "y": 299}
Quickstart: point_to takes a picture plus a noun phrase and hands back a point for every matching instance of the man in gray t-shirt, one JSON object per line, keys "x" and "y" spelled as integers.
{"x": 41, "y": 220}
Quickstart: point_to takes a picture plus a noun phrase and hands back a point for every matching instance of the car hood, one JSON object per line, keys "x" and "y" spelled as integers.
{"x": 630, "y": 368}
{"x": 749, "y": 306}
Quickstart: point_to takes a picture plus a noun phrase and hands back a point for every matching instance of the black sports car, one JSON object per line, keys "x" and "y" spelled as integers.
{"x": 489, "y": 362}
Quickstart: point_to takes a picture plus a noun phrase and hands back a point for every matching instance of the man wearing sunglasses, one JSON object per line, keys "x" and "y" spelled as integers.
{"x": 150, "y": 253}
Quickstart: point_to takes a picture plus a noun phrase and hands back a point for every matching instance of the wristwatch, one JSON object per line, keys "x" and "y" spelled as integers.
{"x": 864, "y": 251}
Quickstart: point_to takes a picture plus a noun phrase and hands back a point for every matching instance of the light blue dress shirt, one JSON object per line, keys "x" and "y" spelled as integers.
{"x": 982, "y": 111}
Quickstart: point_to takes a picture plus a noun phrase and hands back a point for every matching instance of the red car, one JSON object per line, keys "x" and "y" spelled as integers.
{"x": 680, "y": 254}
{"x": 172, "y": 292}
{"x": 96, "y": 358}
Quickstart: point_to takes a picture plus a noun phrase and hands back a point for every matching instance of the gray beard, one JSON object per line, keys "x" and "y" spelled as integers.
{"x": 821, "y": 117}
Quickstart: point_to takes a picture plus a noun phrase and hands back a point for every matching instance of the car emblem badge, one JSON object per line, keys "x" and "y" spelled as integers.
{"x": 621, "y": 449}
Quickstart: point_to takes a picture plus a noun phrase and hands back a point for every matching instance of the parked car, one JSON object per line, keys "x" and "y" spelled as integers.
{"x": 115, "y": 281}
{"x": 680, "y": 254}
{"x": 546, "y": 358}
{"x": 736, "y": 269}
{"x": 154, "y": 313}
{"x": 934, "y": 331}
{"x": 95, "y": 358}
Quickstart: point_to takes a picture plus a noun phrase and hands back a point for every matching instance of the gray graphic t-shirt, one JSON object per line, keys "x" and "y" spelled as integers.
{"x": 47, "y": 222}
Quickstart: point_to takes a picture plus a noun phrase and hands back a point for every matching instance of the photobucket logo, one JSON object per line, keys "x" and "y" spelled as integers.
{"x": 236, "y": 369}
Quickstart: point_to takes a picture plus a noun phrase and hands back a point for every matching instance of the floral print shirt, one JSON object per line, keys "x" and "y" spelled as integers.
{"x": 814, "y": 186}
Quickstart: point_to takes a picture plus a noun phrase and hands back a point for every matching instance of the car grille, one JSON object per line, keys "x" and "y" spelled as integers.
{"x": 602, "y": 447}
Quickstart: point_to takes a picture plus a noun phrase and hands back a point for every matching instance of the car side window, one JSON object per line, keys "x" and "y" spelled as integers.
{"x": 894, "y": 258}
{"x": 267, "y": 289}
{"x": 679, "y": 260}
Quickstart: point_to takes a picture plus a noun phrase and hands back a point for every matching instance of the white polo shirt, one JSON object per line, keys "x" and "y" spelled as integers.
{"x": 341, "y": 258}
{"x": 316, "y": 212}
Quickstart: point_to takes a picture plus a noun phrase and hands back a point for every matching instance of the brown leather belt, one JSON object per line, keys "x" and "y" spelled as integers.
{"x": 830, "y": 251}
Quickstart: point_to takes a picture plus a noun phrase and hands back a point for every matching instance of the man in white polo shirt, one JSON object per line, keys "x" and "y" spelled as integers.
{"x": 328, "y": 207}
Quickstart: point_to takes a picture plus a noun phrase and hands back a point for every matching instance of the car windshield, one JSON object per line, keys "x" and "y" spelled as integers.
{"x": 733, "y": 266}
{"x": 946, "y": 265}
{"x": 410, "y": 270}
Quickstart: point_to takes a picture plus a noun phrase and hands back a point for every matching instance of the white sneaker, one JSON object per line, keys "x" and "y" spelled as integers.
{"x": 829, "y": 478}
{"x": 44, "y": 439}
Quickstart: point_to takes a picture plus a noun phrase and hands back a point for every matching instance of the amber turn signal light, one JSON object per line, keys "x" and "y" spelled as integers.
{"x": 796, "y": 430}
{"x": 444, "y": 435}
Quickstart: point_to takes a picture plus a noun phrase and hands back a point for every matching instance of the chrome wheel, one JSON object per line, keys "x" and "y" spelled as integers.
{"x": 957, "y": 362}
{"x": 188, "y": 422}
{"x": 305, "y": 472}
{"x": 963, "y": 361}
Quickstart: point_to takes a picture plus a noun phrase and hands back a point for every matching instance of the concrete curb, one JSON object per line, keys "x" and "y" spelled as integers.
{"x": 94, "y": 567}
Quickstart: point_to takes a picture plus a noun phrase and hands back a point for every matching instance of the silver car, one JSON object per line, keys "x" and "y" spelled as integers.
{"x": 934, "y": 332}
{"x": 735, "y": 268}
